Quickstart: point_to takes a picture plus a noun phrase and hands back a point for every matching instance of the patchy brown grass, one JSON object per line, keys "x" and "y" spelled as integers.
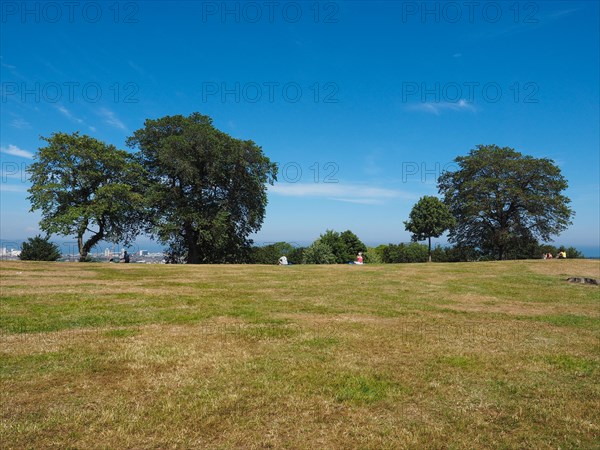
{"x": 483, "y": 355}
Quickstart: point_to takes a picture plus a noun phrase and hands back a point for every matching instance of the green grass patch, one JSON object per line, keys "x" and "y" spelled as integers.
{"x": 361, "y": 389}
{"x": 573, "y": 364}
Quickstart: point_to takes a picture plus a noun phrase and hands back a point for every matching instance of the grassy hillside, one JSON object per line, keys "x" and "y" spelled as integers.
{"x": 474, "y": 355}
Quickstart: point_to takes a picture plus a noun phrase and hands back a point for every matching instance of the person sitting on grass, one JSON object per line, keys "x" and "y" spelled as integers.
{"x": 359, "y": 259}
{"x": 283, "y": 261}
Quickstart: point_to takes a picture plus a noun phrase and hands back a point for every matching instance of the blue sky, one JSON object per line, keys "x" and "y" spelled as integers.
{"x": 361, "y": 103}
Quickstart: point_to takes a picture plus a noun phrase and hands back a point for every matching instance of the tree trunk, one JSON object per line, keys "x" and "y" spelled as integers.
{"x": 193, "y": 248}
{"x": 429, "y": 248}
{"x": 193, "y": 256}
{"x": 90, "y": 243}
{"x": 82, "y": 255}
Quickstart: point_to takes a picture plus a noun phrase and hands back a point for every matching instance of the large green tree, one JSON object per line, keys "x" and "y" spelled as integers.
{"x": 429, "y": 217}
{"x": 207, "y": 191}
{"x": 501, "y": 199}
{"x": 87, "y": 189}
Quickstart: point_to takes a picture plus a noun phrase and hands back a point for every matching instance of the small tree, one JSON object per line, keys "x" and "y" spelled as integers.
{"x": 39, "y": 249}
{"x": 352, "y": 244}
{"x": 429, "y": 218}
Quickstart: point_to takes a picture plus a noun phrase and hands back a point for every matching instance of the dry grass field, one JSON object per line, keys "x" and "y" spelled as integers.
{"x": 474, "y": 355}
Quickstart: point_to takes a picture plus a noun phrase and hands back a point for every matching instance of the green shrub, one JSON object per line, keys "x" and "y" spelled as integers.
{"x": 344, "y": 246}
{"x": 270, "y": 254}
{"x": 405, "y": 253}
{"x": 318, "y": 253}
{"x": 39, "y": 249}
{"x": 296, "y": 256}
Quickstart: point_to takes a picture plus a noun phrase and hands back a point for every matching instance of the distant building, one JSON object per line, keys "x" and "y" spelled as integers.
{"x": 143, "y": 253}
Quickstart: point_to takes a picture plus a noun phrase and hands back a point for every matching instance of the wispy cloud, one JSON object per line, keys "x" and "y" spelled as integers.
{"x": 563, "y": 12}
{"x": 20, "y": 124}
{"x": 12, "y": 188}
{"x": 5, "y": 65}
{"x": 65, "y": 112}
{"x": 16, "y": 151}
{"x": 438, "y": 107}
{"x": 111, "y": 119}
{"x": 69, "y": 115}
{"x": 352, "y": 193}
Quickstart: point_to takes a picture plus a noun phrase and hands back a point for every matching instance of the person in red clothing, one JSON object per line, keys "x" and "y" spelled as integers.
{"x": 359, "y": 258}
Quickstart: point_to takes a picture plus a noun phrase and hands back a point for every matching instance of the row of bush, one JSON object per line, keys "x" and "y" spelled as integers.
{"x": 340, "y": 248}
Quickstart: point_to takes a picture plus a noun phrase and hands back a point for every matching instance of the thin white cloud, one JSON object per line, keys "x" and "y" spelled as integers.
{"x": 360, "y": 201}
{"x": 69, "y": 115}
{"x": 341, "y": 192}
{"x": 565, "y": 12}
{"x": 111, "y": 119}
{"x": 438, "y": 107}
{"x": 12, "y": 188}
{"x": 20, "y": 124}
{"x": 64, "y": 111}
{"x": 16, "y": 151}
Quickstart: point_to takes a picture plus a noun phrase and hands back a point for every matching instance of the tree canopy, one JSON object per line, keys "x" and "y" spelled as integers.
{"x": 429, "y": 217}
{"x": 86, "y": 188}
{"x": 207, "y": 190}
{"x": 502, "y": 199}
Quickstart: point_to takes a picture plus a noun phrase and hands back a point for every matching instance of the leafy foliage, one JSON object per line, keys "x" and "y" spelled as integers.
{"x": 82, "y": 185}
{"x": 373, "y": 255}
{"x": 296, "y": 255}
{"x": 344, "y": 246}
{"x": 207, "y": 190}
{"x": 502, "y": 199}
{"x": 572, "y": 252}
{"x": 318, "y": 253}
{"x": 270, "y": 254}
{"x": 405, "y": 253}
{"x": 429, "y": 218}
{"x": 455, "y": 254}
{"x": 39, "y": 249}
{"x": 543, "y": 249}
